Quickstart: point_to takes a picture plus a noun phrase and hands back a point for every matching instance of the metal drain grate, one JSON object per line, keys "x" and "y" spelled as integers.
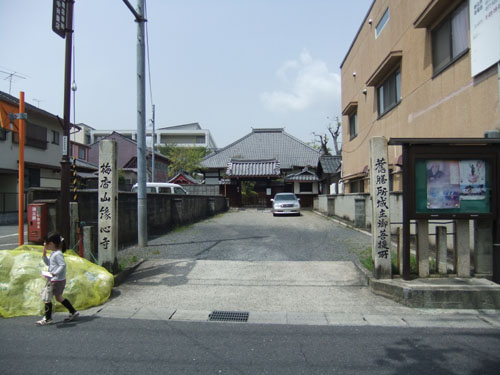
{"x": 228, "y": 316}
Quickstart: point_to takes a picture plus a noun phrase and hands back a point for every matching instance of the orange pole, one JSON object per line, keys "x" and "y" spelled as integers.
{"x": 21, "y": 171}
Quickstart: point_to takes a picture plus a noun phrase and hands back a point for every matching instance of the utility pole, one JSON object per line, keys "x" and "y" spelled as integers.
{"x": 153, "y": 151}
{"x": 142, "y": 203}
{"x": 62, "y": 25}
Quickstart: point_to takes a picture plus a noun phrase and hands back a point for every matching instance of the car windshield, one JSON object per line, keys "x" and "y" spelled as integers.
{"x": 285, "y": 197}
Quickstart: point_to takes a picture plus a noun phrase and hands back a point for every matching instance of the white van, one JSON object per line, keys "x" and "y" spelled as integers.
{"x": 162, "y": 187}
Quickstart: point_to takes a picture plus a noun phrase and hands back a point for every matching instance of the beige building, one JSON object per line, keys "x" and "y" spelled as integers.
{"x": 407, "y": 74}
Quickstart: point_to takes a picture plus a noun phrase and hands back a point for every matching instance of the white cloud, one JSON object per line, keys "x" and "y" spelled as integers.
{"x": 310, "y": 84}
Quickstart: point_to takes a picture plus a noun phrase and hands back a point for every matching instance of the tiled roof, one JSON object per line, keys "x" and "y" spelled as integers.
{"x": 186, "y": 176}
{"x": 253, "y": 168}
{"x": 305, "y": 175}
{"x": 265, "y": 144}
{"x": 330, "y": 164}
{"x": 28, "y": 107}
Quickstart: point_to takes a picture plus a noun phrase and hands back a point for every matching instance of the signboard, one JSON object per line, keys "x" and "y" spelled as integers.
{"x": 484, "y": 34}
{"x": 453, "y": 186}
{"x": 59, "y": 15}
{"x": 452, "y": 181}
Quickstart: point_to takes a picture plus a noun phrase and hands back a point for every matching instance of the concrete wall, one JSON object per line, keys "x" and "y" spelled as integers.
{"x": 356, "y": 208}
{"x": 346, "y": 207}
{"x": 165, "y": 211}
{"x": 205, "y": 189}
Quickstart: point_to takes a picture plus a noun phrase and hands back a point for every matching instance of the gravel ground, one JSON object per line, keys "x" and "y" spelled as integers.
{"x": 255, "y": 235}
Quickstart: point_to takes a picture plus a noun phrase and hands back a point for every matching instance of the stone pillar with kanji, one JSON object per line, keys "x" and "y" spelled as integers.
{"x": 380, "y": 197}
{"x": 108, "y": 206}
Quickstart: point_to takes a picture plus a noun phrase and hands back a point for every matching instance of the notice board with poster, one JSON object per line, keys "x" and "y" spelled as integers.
{"x": 453, "y": 186}
{"x": 452, "y": 181}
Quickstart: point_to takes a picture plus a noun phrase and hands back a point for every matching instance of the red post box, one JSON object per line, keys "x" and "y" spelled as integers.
{"x": 37, "y": 222}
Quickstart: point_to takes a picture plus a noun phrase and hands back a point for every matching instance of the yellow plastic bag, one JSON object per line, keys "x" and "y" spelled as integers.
{"x": 21, "y": 282}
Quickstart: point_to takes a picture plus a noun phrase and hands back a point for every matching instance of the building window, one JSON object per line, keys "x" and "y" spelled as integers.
{"x": 381, "y": 24}
{"x": 200, "y": 139}
{"x": 55, "y": 137}
{"x": 450, "y": 40}
{"x": 306, "y": 187}
{"x": 31, "y": 177}
{"x": 357, "y": 186}
{"x": 389, "y": 93}
{"x": 36, "y": 136}
{"x": 3, "y": 134}
{"x": 353, "y": 125}
{"x": 82, "y": 155}
{"x": 87, "y": 138}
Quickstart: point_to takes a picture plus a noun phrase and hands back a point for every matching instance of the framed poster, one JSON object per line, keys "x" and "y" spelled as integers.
{"x": 452, "y": 187}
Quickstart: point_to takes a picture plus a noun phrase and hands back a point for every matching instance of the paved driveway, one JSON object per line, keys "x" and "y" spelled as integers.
{"x": 255, "y": 235}
{"x": 276, "y": 267}
{"x": 282, "y": 270}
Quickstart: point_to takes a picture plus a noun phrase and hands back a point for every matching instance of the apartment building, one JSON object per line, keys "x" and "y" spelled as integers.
{"x": 407, "y": 74}
{"x": 187, "y": 135}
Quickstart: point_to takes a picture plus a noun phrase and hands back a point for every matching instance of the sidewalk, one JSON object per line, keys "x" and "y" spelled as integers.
{"x": 323, "y": 293}
{"x": 434, "y": 292}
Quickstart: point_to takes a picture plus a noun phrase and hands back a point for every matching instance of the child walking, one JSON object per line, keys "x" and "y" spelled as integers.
{"x": 56, "y": 280}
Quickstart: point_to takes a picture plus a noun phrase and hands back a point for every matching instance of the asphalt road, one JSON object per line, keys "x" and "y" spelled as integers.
{"x": 95, "y": 345}
{"x": 9, "y": 238}
{"x": 255, "y": 235}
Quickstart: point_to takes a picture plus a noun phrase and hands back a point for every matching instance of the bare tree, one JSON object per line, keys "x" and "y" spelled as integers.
{"x": 335, "y": 133}
{"x": 323, "y": 139}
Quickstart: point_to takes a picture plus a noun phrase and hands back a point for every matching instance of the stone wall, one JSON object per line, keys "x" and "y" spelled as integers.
{"x": 165, "y": 212}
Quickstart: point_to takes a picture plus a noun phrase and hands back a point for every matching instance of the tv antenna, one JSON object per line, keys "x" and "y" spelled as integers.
{"x": 38, "y": 101}
{"x": 10, "y": 76}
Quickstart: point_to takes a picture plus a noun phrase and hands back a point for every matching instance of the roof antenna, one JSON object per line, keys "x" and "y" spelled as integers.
{"x": 10, "y": 76}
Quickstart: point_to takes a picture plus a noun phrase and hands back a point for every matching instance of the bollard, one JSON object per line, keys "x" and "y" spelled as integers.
{"x": 441, "y": 250}
{"x": 88, "y": 243}
{"x": 423, "y": 248}
{"x": 400, "y": 250}
{"x": 462, "y": 248}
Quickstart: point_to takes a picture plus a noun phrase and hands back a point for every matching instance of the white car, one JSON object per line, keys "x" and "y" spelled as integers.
{"x": 286, "y": 204}
{"x": 162, "y": 187}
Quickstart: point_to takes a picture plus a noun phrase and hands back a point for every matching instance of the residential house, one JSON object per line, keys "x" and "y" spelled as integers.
{"x": 407, "y": 74}
{"x": 42, "y": 151}
{"x": 271, "y": 160}
{"x": 329, "y": 172}
{"x": 80, "y": 140}
{"x": 127, "y": 159}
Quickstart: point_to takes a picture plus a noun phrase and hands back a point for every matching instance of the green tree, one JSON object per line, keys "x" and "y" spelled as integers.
{"x": 187, "y": 159}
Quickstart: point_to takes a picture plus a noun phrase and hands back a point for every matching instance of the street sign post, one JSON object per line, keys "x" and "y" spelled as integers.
{"x": 62, "y": 25}
{"x": 59, "y": 17}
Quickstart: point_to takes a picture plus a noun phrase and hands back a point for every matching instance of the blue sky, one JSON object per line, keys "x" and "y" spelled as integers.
{"x": 229, "y": 65}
